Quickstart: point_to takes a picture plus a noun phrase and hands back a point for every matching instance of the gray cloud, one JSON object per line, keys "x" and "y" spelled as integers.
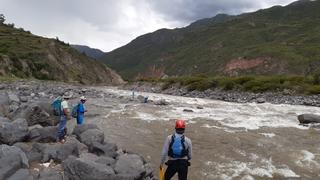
{"x": 108, "y": 24}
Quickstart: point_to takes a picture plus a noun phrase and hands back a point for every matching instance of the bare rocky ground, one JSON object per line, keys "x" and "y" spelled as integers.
{"x": 231, "y": 140}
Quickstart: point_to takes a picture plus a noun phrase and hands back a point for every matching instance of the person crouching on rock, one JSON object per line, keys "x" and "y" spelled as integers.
{"x": 81, "y": 110}
{"x": 65, "y": 115}
{"x": 179, "y": 150}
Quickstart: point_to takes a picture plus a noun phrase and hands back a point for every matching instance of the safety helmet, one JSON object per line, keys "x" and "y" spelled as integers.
{"x": 82, "y": 98}
{"x": 180, "y": 124}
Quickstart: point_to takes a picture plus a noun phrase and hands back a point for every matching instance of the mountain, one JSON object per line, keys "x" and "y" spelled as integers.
{"x": 91, "y": 52}
{"x": 25, "y": 55}
{"x": 274, "y": 41}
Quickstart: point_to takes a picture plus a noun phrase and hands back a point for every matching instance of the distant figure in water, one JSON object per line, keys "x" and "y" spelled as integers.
{"x": 179, "y": 150}
{"x": 81, "y": 110}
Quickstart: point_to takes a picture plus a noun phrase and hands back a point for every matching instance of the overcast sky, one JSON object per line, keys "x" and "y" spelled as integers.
{"x": 109, "y": 24}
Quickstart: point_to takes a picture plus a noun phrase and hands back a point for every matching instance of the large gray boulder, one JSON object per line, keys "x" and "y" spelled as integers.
{"x": 32, "y": 151}
{"x": 92, "y": 135}
{"x": 84, "y": 168}
{"x": 12, "y": 132}
{"x": 131, "y": 166}
{"x": 308, "y": 118}
{"x": 44, "y": 135}
{"x": 105, "y": 149}
{"x": 21, "y": 174}
{"x": 59, "y": 152}
{"x": 161, "y": 102}
{"x": 79, "y": 129}
{"x": 11, "y": 159}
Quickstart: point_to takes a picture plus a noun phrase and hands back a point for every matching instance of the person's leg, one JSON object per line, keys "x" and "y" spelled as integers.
{"x": 183, "y": 170}
{"x": 171, "y": 170}
{"x": 61, "y": 127}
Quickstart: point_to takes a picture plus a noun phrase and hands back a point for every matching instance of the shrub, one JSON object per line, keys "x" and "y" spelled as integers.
{"x": 315, "y": 89}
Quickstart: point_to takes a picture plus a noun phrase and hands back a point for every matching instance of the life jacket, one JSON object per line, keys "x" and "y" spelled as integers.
{"x": 56, "y": 106}
{"x": 177, "y": 148}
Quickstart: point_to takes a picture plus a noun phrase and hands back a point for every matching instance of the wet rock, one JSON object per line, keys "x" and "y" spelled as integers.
{"x": 12, "y": 132}
{"x": 161, "y": 102}
{"x": 131, "y": 166}
{"x": 11, "y": 159}
{"x": 199, "y": 107}
{"x": 106, "y": 149}
{"x": 261, "y": 100}
{"x": 84, "y": 168}
{"x": 187, "y": 110}
{"x": 79, "y": 129}
{"x": 92, "y": 135}
{"x": 44, "y": 135}
{"x": 308, "y": 118}
{"x": 13, "y": 97}
{"x": 2, "y": 86}
{"x": 21, "y": 174}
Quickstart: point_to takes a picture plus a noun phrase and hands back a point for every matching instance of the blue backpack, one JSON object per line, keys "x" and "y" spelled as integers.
{"x": 177, "y": 148}
{"x": 56, "y": 106}
{"x": 74, "y": 112}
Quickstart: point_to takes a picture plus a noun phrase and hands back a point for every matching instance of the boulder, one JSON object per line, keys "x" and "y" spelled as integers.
{"x": 261, "y": 100}
{"x": 11, "y": 159}
{"x": 106, "y": 149}
{"x": 187, "y": 110}
{"x": 59, "y": 152}
{"x": 79, "y": 129}
{"x": 131, "y": 166}
{"x": 84, "y": 168}
{"x": 44, "y": 135}
{"x": 161, "y": 102}
{"x": 23, "y": 99}
{"x": 308, "y": 118}
{"x": 32, "y": 151}
{"x": 92, "y": 135}
{"x": 13, "y": 98}
{"x": 12, "y": 132}
{"x": 21, "y": 174}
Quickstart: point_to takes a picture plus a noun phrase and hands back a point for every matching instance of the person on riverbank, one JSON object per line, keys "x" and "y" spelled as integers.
{"x": 81, "y": 110}
{"x": 64, "y": 116}
{"x": 178, "y": 148}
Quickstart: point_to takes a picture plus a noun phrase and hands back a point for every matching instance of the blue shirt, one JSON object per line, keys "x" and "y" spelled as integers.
{"x": 81, "y": 108}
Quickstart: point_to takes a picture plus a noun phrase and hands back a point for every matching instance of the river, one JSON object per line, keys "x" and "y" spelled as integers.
{"x": 230, "y": 140}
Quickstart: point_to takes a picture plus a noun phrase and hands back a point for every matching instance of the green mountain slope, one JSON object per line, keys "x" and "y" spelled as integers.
{"x": 278, "y": 40}
{"x": 91, "y": 52}
{"x": 24, "y": 55}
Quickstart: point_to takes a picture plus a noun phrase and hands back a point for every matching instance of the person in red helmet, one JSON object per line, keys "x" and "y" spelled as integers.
{"x": 178, "y": 148}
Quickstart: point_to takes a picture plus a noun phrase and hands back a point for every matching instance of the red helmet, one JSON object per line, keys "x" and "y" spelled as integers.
{"x": 180, "y": 124}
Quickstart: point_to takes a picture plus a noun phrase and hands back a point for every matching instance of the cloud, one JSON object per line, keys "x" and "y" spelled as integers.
{"x": 108, "y": 24}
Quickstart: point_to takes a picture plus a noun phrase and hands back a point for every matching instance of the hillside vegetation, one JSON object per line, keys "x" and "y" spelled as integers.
{"x": 24, "y": 55}
{"x": 274, "y": 41}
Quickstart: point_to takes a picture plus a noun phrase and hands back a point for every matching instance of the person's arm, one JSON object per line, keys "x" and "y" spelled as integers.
{"x": 164, "y": 152}
{"x": 66, "y": 112}
{"x": 189, "y": 149}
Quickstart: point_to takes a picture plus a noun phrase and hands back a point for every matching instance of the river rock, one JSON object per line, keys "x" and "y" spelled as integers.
{"x": 13, "y": 97}
{"x": 187, "y": 110}
{"x": 44, "y": 135}
{"x": 161, "y": 102}
{"x": 32, "y": 151}
{"x": 92, "y": 135}
{"x": 21, "y": 174}
{"x": 12, "y": 132}
{"x": 79, "y": 129}
{"x": 130, "y": 166}
{"x": 84, "y": 168}
{"x": 35, "y": 114}
{"x": 261, "y": 100}
{"x": 23, "y": 99}
{"x": 106, "y": 149}
{"x": 11, "y": 159}
{"x": 308, "y": 118}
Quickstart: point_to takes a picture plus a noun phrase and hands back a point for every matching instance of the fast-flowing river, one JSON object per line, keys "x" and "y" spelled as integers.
{"x": 230, "y": 140}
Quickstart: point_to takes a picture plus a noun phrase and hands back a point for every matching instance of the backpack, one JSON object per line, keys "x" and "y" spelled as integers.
{"x": 177, "y": 148}
{"x": 74, "y": 112}
{"x": 56, "y": 106}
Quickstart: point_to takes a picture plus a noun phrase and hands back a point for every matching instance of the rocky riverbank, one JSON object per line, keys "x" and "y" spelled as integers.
{"x": 29, "y": 150}
{"x": 286, "y": 97}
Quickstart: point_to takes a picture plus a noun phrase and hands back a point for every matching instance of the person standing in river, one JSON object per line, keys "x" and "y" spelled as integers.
{"x": 64, "y": 116}
{"x": 179, "y": 150}
{"x": 81, "y": 110}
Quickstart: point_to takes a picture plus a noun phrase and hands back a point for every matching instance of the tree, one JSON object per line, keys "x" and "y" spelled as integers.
{"x": 2, "y": 19}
